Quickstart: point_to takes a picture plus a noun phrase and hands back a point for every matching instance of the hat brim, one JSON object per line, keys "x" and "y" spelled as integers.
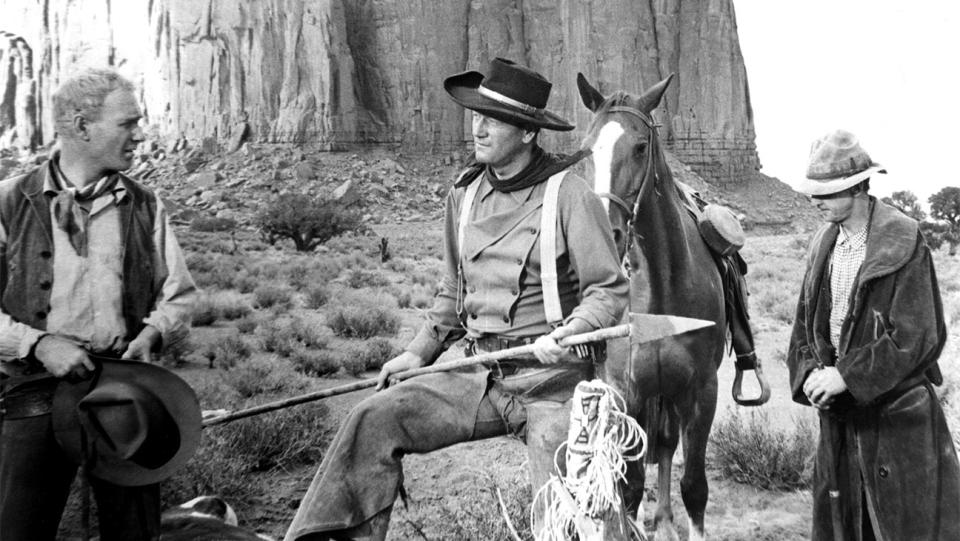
{"x": 826, "y": 187}
{"x": 177, "y": 397}
{"x": 462, "y": 88}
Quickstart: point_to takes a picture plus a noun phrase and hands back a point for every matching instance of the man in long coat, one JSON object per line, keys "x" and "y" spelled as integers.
{"x": 867, "y": 335}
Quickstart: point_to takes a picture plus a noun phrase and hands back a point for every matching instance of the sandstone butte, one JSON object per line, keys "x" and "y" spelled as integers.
{"x": 342, "y": 74}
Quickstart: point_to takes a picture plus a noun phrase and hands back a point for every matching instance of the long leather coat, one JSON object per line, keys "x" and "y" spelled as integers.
{"x": 887, "y": 435}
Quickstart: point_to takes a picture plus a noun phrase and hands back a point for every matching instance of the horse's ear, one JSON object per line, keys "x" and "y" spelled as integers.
{"x": 591, "y": 97}
{"x": 651, "y": 98}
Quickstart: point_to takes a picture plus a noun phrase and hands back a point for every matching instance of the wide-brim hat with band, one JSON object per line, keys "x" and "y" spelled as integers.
{"x": 837, "y": 162}
{"x": 508, "y": 92}
{"x": 131, "y": 424}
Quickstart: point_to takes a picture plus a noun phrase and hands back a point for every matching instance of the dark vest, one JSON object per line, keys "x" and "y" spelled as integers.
{"x": 26, "y": 267}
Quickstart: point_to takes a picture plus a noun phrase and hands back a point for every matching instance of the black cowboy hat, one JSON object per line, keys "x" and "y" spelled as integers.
{"x": 132, "y": 423}
{"x": 509, "y": 92}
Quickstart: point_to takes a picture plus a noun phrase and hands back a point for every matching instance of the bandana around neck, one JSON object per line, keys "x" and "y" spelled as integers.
{"x": 542, "y": 166}
{"x": 72, "y": 218}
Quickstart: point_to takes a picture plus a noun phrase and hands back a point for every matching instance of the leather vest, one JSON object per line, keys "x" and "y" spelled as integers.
{"x": 26, "y": 267}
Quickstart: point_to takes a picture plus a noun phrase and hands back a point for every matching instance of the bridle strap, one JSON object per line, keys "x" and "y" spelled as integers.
{"x": 616, "y": 199}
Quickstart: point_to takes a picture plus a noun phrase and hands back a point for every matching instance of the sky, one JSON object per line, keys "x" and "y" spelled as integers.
{"x": 886, "y": 70}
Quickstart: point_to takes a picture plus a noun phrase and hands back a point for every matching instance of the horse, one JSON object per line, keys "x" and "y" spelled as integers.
{"x": 670, "y": 386}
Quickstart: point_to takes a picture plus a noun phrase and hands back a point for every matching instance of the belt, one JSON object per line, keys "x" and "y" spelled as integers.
{"x": 27, "y": 399}
{"x": 595, "y": 352}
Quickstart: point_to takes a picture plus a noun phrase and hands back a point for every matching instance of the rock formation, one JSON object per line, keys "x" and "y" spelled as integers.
{"x": 342, "y": 73}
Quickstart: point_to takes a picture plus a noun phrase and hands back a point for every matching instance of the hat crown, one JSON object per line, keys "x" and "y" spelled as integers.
{"x": 517, "y": 82}
{"x": 835, "y": 155}
{"x": 129, "y": 422}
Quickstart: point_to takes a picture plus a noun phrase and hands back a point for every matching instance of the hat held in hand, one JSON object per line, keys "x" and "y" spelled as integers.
{"x": 132, "y": 424}
{"x": 837, "y": 162}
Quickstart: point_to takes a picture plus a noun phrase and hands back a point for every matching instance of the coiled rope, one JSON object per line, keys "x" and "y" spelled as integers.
{"x": 601, "y": 439}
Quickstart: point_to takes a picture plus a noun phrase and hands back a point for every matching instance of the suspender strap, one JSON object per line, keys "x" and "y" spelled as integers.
{"x": 465, "y": 206}
{"x": 548, "y": 251}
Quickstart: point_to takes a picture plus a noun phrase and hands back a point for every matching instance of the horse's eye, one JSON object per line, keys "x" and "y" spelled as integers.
{"x": 640, "y": 149}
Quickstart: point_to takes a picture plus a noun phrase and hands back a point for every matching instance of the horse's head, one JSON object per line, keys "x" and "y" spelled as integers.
{"x": 623, "y": 141}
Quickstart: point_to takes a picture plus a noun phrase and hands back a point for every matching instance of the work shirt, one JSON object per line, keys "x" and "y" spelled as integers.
{"x": 501, "y": 293}
{"x": 86, "y": 292}
{"x": 848, "y": 255}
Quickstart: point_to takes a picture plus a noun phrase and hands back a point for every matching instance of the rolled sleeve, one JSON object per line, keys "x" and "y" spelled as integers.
{"x": 171, "y": 314}
{"x": 443, "y": 326}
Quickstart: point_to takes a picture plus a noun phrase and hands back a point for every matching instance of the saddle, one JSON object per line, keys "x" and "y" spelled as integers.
{"x": 723, "y": 235}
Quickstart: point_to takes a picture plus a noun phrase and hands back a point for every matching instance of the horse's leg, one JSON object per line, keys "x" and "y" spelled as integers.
{"x": 669, "y": 437}
{"x": 696, "y": 432}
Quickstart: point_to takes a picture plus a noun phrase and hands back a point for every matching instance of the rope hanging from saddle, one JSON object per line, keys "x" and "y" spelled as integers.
{"x": 600, "y": 441}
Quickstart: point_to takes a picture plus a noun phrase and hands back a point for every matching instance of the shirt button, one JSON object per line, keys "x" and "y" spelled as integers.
{"x": 473, "y": 316}
{"x": 41, "y": 315}
{"x": 471, "y": 289}
{"x": 46, "y": 254}
{"x": 506, "y": 319}
{"x": 514, "y": 292}
{"x": 45, "y": 284}
{"x": 519, "y": 261}
{"x": 884, "y": 472}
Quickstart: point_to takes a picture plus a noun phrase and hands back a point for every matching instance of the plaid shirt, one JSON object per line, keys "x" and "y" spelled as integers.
{"x": 848, "y": 254}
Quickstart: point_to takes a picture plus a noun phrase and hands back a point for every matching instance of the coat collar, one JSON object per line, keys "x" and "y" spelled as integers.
{"x": 891, "y": 242}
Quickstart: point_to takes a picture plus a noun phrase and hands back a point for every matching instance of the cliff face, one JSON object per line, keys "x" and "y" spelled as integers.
{"x": 343, "y": 72}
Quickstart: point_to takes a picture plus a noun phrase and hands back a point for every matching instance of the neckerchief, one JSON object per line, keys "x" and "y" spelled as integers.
{"x": 71, "y": 217}
{"x": 542, "y": 166}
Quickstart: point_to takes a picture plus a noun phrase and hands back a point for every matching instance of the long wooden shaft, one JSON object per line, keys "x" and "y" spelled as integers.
{"x": 598, "y": 335}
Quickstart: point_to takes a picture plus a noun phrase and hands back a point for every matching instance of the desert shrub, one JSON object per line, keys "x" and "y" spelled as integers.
{"x": 212, "y": 224}
{"x": 230, "y": 452}
{"x": 417, "y": 296}
{"x": 244, "y": 282}
{"x": 204, "y": 312}
{"x": 266, "y": 271}
{"x": 316, "y": 363}
{"x": 399, "y": 265}
{"x": 754, "y": 452}
{"x": 176, "y": 353}
{"x": 231, "y": 306}
{"x": 226, "y": 351}
{"x": 317, "y": 296}
{"x": 376, "y": 351}
{"x": 308, "y": 221}
{"x": 359, "y": 278}
{"x": 260, "y": 375}
{"x": 362, "y": 320}
{"x": 272, "y": 295}
{"x": 276, "y": 336}
{"x": 446, "y": 518}
{"x": 247, "y": 325}
{"x": 310, "y": 335}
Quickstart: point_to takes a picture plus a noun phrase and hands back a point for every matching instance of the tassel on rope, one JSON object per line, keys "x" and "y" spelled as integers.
{"x": 600, "y": 441}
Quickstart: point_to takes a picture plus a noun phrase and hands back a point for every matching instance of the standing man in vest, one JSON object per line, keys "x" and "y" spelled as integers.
{"x": 494, "y": 293}
{"x": 864, "y": 349}
{"x": 89, "y": 265}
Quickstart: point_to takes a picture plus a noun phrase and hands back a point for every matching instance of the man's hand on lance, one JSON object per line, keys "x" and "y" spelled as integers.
{"x": 401, "y": 363}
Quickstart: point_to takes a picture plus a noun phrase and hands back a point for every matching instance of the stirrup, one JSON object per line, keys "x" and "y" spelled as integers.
{"x": 761, "y": 379}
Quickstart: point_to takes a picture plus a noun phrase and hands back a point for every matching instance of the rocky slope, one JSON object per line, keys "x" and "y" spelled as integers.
{"x": 342, "y": 73}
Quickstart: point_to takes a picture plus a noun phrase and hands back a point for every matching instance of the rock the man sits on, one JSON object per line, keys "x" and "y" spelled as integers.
{"x": 89, "y": 265}
{"x": 492, "y": 294}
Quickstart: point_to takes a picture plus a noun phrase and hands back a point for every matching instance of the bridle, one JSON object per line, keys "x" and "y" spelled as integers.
{"x": 621, "y": 203}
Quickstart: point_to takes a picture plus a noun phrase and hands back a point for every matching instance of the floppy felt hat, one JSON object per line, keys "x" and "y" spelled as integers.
{"x": 837, "y": 162}
{"x": 132, "y": 423}
{"x": 509, "y": 92}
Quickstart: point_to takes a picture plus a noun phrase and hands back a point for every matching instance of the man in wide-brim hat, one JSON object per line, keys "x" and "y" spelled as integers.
{"x": 868, "y": 332}
{"x": 494, "y": 293}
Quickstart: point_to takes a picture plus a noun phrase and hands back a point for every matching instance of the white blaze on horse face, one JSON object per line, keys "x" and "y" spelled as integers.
{"x": 603, "y": 159}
